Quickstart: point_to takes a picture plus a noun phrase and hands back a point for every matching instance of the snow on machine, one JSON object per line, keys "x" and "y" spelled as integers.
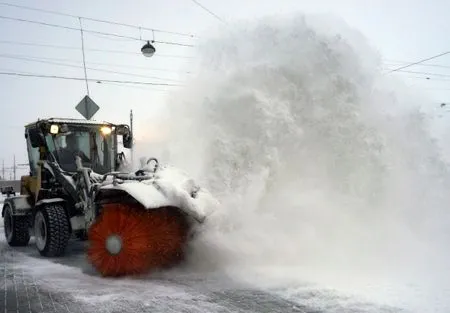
{"x": 134, "y": 221}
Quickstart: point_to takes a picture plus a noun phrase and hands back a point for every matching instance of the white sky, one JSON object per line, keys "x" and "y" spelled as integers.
{"x": 401, "y": 30}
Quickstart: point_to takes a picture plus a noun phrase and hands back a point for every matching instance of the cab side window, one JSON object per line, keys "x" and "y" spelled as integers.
{"x": 50, "y": 143}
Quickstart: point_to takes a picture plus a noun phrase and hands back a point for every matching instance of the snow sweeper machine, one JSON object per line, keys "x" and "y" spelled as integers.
{"x": 134, "y": 221}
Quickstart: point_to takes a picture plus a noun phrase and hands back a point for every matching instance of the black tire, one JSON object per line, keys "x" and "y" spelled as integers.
{"x": 16, "y": 228}
{"x": 51, "y": 230}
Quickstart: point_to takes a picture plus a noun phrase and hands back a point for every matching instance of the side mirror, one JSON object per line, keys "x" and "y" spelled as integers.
{"x": 124, "y": 130}
{"x": 36, "y": 138}
{"x": 127, "y": 141}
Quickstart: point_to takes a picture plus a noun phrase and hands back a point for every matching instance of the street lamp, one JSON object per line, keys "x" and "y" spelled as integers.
{"x": 148, "y": 49}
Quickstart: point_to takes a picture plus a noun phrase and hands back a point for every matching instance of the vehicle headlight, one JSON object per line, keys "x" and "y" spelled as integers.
{"x": 106, "y": 130}
{"x": 54, "y": 129}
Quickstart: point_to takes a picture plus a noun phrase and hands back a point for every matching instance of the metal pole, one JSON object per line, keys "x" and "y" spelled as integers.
{"x": 15, "y": 167}
{"x": 132, "y": 138}
{"x": 84, "y": 57}
{"x": 3, "y": 169}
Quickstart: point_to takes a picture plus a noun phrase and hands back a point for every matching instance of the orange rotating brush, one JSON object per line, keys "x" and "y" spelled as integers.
{"x": 126, "y": 239}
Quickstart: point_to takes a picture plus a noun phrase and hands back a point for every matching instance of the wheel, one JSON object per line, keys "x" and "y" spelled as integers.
{"x": 51, "y": 230}
{"x": 16, "y": 228}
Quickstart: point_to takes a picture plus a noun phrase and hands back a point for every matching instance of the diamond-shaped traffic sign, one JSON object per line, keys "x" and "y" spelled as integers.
{"x": 87, "y": 107}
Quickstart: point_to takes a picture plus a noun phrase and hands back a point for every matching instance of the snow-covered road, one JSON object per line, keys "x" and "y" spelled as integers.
{"x": 34, "y": 284}
{"x": 31, "y": 283}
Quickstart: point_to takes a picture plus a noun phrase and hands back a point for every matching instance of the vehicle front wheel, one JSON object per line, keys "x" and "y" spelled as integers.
{"x": 16, "y": 228}
{"x": 51, "y": 230}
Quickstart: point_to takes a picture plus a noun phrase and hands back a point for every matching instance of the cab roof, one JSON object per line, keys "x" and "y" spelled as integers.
{"x": 72, "y": 121}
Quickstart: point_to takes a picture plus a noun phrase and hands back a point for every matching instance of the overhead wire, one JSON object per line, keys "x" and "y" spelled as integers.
{"x": 209, "y": 11}
{"x": 113, "y": 39}
{"x": 398, "y": 63}
{"x": 89, "y": 31}
{"x": 82, "y": 67}
{"x": 97, "y": 20}
{"x": 418, "y": 62}
{"x": 147, "y": 88}
{"x": 89, "y": 79}
{"x": 99, "y": 82}
{"x": 86, "y": 49}
{"x": 428, "y": 78}
{"x": 28, "y": 57}
{"x": 425, "y": 73}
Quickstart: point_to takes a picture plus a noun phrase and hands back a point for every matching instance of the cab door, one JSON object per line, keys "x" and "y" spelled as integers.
{"x": 33, "y": 155}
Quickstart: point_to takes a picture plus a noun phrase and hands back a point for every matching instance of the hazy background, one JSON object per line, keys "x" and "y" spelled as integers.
{"x": 403, "y": 31}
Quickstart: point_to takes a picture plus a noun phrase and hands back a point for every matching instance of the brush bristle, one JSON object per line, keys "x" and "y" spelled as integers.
{"x": 150, "y": 239}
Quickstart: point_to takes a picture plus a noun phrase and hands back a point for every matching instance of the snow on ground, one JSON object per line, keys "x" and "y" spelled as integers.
{"x": 178, "y": 290}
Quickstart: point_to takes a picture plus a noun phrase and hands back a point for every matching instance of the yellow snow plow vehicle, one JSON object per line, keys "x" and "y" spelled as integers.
{"x": 134, "y": 221}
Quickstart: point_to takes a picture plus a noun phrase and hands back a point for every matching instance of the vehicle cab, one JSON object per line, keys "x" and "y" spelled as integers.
{"x": 60, "y": 140}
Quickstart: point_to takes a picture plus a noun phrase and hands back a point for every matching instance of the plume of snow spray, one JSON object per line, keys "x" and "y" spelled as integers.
{"x": 324, "y": 167}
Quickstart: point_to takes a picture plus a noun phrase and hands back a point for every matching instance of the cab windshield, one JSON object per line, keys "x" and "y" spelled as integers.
{"x": 89, "y": 143}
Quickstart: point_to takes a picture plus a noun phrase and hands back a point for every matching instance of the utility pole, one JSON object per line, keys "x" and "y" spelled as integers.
{"x": 3, "y": 169}
{"x": 15, "y": 167}
{"x": 132, "y": 138}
